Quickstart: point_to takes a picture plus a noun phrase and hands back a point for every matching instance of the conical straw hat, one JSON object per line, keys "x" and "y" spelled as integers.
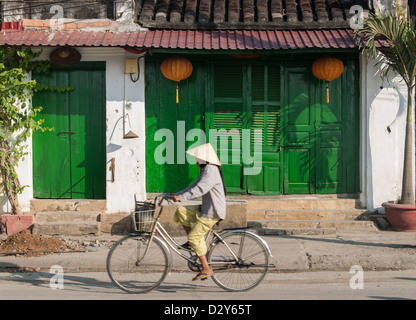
{"x": 206, "y": 153}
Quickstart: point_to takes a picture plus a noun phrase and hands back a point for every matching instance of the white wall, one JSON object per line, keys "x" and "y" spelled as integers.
{"x": 383, "y": 103}
{"x": 383, "y": 107}
{"x": 129, "y": 154}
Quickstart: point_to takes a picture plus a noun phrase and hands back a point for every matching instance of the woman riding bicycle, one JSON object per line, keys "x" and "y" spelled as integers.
{"x": 209, "y": 185}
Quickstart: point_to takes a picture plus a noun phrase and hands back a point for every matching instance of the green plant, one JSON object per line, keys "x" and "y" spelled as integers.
{"x": 399, "y": 55}
{"x": 17, "y": 115}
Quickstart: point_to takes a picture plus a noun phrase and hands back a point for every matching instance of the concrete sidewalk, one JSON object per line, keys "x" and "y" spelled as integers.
{"x": 378, "y": 250}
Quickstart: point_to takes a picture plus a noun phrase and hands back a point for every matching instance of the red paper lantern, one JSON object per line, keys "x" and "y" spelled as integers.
{"x": 176, "y": 68}
{"x": 327, "y": 68}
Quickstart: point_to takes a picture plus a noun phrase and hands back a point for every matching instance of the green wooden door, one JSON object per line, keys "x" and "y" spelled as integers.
{"x": 69, "y": 162}
{"x": 226, "y": 117}
{"x": 246, "y": 97}
{"x": 320, "y": 140}
{"x": 171, "y": 128}
{"x": 264, "y": 112}
{"x": 307, "y": 146}
{"x": 337, "y": 133}
{"x": 299, "y": 132}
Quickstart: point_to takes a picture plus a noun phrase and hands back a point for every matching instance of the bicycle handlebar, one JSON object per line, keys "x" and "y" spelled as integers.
{"x": 164, "y": 196}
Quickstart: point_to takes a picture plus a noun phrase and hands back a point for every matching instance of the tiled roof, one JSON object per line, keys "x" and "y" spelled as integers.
{"x": 185, "y": 39}
{"x": 247, "y": 14}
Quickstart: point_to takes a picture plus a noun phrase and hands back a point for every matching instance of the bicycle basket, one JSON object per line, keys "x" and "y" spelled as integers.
{"x": 143, "y": 205}
{"x": 142, "y": 217}
{"x": 142, "y": 220}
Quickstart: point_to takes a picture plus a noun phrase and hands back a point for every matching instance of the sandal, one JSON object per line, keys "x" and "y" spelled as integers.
{"x": 186, "y": 246}
{"x": 202, "y": 276}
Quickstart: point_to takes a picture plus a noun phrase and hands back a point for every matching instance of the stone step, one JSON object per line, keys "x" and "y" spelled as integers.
{"x": 39, "y": 205}
{"x": 311, "y": 226}
{"x": 67, "y": 228}
{"x": 297, "y": 231}
{"x": 67, "y": 216}
{"x": 67, "y": 223}
{"x": 306, "y": 214}
{"x": 307, "y": 202}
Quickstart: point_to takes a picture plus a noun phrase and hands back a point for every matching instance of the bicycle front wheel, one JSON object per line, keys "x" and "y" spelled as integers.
{"x": 135, "y": 266}
{"x": 245, "y": 272}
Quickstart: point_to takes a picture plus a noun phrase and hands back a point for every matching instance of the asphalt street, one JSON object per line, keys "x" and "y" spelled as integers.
{"x": 360, "y": 266}
{"x": 318, "y": 285}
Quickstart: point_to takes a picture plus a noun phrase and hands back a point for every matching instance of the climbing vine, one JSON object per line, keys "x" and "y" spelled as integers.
{"x": 18, "y": 118}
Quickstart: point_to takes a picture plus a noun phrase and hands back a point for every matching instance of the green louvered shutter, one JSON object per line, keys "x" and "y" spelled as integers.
{"x": 265, "y": 106}
{"x": 265, "y": 115}
{"x": 247, "y": 96}
{"x": 228, "y": 122}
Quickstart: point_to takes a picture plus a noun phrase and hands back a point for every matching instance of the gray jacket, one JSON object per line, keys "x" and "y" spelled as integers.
{"x": 208, "y": 185}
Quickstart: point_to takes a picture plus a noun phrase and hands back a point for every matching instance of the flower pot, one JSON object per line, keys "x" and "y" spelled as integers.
{"x": 11, "y": 224}
{"x": 401, "y": 216}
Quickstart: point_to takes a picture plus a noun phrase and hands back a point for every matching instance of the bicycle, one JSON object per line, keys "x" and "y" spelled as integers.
{"x": 140, "y": 261}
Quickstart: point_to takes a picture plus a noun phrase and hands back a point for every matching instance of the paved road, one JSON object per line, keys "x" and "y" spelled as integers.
{"x": 178, "y": 286}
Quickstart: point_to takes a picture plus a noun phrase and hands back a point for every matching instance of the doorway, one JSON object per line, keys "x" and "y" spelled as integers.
{"x": 69, "y": 162}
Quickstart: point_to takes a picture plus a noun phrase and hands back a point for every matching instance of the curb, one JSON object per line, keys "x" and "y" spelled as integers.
{"x": 381, "y": 250}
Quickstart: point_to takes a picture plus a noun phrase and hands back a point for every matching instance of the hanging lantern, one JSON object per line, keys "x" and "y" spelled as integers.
{"x": 65, "y": 56}
{"x": 176, "y": 69}
{"x": 327, "y": 68}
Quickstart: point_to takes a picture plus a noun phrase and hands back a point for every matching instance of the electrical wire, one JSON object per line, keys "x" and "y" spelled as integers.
{"x": 138, "y": 71}
{"x": 27, "y": 9}
{"x": 42, "y": 4}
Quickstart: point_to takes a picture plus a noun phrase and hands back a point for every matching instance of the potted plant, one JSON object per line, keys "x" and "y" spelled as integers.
{"x": 399, "y": 55}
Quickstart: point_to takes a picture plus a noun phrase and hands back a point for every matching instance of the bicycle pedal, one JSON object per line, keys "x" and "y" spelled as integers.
{"x": 204, "y": 279}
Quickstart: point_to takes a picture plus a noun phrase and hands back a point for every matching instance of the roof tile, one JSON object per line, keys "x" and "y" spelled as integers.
{"x": 247, "y": 14}
{"x": 186, "y": 39}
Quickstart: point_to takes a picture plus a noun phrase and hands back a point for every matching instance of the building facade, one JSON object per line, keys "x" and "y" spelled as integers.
{"x": 251, "y": 73}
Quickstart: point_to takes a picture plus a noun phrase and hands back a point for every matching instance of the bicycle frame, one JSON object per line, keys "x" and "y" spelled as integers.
{"x": 169, "y": 241}
{"x": 158, "y": 229}
{"x": 231, "y": 252}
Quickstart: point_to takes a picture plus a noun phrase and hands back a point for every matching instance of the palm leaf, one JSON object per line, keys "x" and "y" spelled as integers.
{"x": 398, "y": 54}
{"x": 395, "y": 39}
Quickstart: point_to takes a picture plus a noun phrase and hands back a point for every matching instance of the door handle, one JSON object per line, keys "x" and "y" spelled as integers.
{"x": 69, "y": 132}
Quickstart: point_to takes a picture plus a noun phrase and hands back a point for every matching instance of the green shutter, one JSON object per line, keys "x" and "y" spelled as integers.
{"x": 228, "y": 100}
{"x": 272, "y": 125}
{"x": 247, "y": 96}
{"x": 228, "y": 117}
{"x": 228, "y": 113}
{"x": 265, "y": 106}
{"x": 265, "y": 115}
{"x": 228, "y": 81}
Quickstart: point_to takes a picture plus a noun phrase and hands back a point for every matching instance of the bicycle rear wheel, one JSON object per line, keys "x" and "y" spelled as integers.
{"x": 248, "y": 270}
{"x": 135, "y": 268}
